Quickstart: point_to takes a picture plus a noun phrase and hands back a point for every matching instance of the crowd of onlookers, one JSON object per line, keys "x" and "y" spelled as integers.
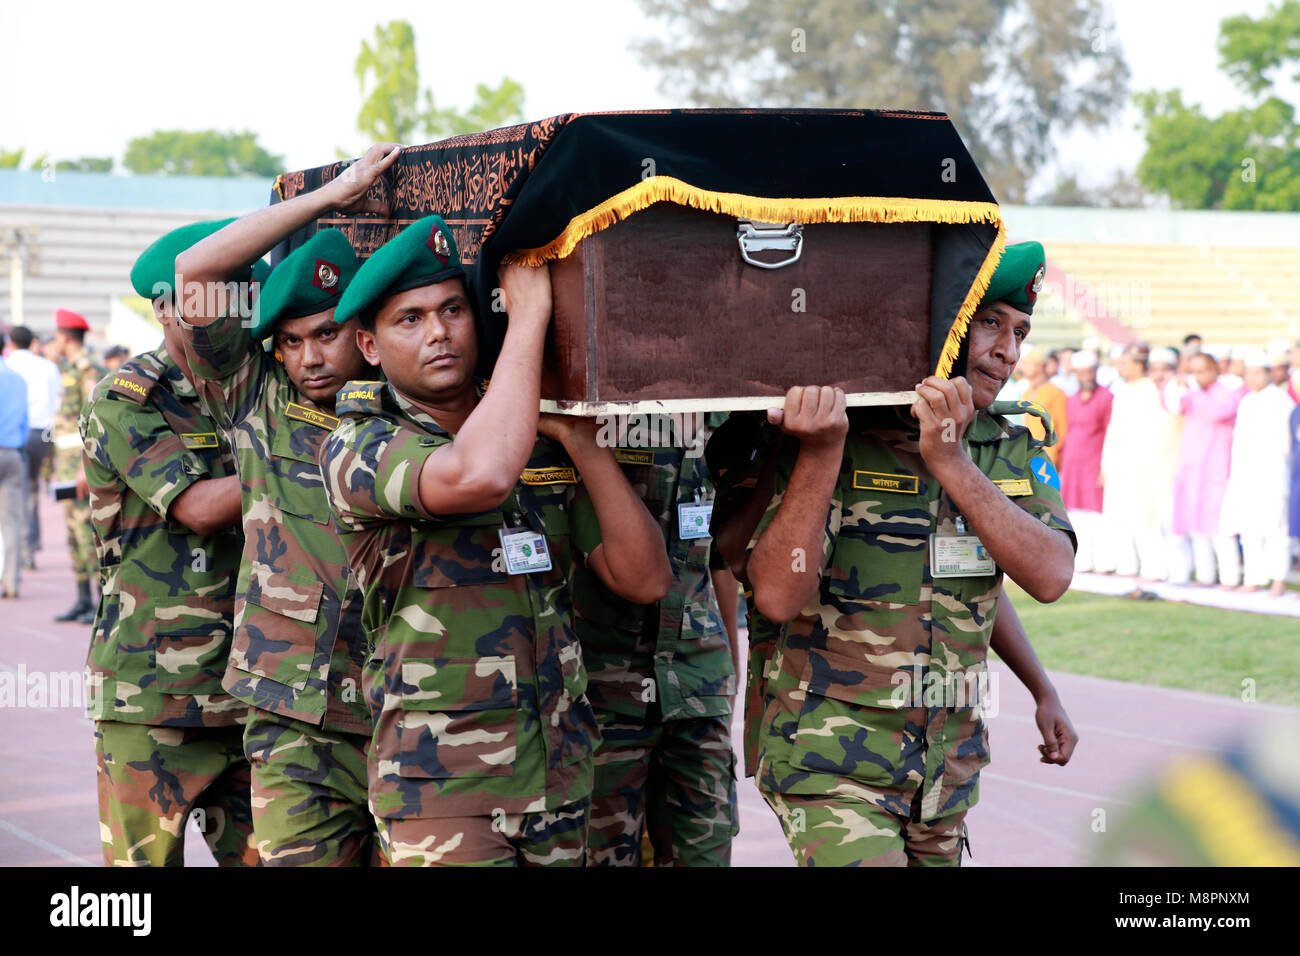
{"x": 1175, "y": 463}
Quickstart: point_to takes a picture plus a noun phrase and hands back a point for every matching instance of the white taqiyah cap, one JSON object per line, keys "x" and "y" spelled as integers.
{"x": 1084, "y": 358}
{"x": 1255, "y": 358}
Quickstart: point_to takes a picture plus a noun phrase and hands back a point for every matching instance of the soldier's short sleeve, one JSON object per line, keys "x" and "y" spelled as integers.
{"x": 135, "y": 443}
{"x": 371, "y": 468}
{"x": 584, "y": 528}
{"x": 229, "y": 367}
{"x": 1044, "y": 500}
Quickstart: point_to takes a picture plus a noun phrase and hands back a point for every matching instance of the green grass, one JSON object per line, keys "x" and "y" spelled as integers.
{"x": 1166, "y": 643}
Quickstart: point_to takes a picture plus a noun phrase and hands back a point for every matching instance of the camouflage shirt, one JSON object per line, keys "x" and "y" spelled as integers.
{"x": 475, "y": 679}
{"x": 162, "y": 634}
{"x": 299, "y": 647}
{"x": 875, "y": 687}
{"x": 679, "y": 643}
{"x": 79, "y": 377}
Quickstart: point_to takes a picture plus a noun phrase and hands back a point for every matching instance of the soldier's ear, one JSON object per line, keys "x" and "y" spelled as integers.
{"x": 366, "y": 344}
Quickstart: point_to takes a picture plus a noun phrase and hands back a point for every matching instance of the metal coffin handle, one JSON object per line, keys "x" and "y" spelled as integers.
{"x": 759, "y": 237}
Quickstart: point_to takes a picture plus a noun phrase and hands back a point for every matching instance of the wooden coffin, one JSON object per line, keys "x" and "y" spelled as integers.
{"x": 660, "y": 312}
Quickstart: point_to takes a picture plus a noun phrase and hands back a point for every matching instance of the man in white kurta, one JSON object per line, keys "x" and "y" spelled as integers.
{"x": 1255, "y": 501}
{"x": 1135, "y": 469}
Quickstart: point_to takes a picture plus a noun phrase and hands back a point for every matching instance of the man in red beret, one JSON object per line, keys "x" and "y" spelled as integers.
{"x": 80, "y": 373}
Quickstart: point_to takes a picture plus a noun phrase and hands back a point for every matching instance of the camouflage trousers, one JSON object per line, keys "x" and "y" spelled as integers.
{"x": 548, "y": 838}
{"x": 842, "y": 831}
{"x": 152, "y": 779}
{"x": 81, "y": 541}
{"x": 675, "y": 780}
{"x": 309, "y": 793}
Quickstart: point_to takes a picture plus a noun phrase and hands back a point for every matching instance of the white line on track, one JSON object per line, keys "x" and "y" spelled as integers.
{"x": 1064, "y": 791}
{"x": 45, "y": 845}
{"x": 1096, "y": 728}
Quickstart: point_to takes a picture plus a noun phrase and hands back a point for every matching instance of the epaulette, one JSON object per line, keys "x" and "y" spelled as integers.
{"x": 1023, "y": 407}
{"x": 134, "y": 381}
{"x": 360, "y": 398}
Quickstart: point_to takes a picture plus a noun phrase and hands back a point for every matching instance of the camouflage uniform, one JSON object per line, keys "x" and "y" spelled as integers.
{"x": 166, "y": 736}
{"x": 661, "y": 678}
{"x": 298, "y": 646}
{"x": 483, "y": 735}
{"x": 79, "y": 377}
{"x": 871, "y": 735}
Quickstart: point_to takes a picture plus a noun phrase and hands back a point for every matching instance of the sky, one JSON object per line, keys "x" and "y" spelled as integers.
{"x": 81, "y": 79}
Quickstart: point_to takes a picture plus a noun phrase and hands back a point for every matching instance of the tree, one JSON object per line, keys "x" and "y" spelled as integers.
{"x": 1010, "y": 73}
{"x": 12, "y": 159}
{"x": 1247, "y": 158}
{"x": 390, "y": 85}
{"x": 86, "y": 164}
{"x": 492, "y": 108}
{"x": 206, "y": 152}
{"x": 390, "y": 113}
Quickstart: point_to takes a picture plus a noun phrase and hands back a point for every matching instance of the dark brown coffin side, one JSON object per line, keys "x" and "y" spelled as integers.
{"x": 661, "y": 306}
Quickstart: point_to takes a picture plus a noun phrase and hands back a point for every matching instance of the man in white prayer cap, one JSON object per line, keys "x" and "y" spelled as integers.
{"x": 1137, "y": 467}
{"x": 1255, "y": 502}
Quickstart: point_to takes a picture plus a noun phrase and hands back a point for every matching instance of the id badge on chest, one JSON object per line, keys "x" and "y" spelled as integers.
{"x": 960, "y": 555}
{"x": 693, "y": 519}
{"x": 525, "y": 551}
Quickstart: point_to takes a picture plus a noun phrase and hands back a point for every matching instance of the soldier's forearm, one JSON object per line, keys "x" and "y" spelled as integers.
{"x": 785, "y": 567}
{"x": 229, "y": 251}
{"x": 477, "y": 470}
{"x": 1011, "y": 643}
{"x": 1036, "y": 557}
{"x": 631, "y": 559}
{"x": 207, "y": 506}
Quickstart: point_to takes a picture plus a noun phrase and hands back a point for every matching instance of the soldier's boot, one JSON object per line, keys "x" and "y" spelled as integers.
{"x": 90, "y": 615}
{"x": 83, "y": 604}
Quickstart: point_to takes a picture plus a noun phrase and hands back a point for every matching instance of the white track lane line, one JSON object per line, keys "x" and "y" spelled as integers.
{"x": 45, "y": 845}
{"x": 1064, "y": 791}
{"x": 1097, "y": 728}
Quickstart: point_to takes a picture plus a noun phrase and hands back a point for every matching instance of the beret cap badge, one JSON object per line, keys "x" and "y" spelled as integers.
{"x": 327, "y": 275}
{"x": 438, "y": 245}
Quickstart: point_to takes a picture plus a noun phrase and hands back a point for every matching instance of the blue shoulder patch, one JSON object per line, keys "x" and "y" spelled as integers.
{"x": 1045, "y": 472}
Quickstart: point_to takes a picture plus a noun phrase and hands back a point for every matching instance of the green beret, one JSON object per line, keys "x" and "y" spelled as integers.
{"x": 424, "y": 253}
{"x": 155, "y": 271}
{"x": 311, "y": 279}
{"x": 1018, "y": 277}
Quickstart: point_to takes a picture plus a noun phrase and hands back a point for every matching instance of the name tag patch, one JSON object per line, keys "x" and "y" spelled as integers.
{"x": 199, "y": 439}
{"x": 883, "y": 481}
{"x": 626, "y": 456}
{"x": 525, "y": 551}
{"x": 549, "y": 476}
{"x": 310, "y": 415}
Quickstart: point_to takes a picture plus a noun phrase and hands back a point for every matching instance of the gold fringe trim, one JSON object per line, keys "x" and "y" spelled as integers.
{"x": 952, "y": 345}
{"x": 816, "y": 210}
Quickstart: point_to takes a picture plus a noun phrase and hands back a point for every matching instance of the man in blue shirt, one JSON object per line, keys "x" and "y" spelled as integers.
{"x": 13, "y": 473}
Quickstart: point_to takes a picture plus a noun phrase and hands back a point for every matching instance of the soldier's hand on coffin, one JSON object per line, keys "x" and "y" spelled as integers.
{"x": 348, "y": 191}
{"x": 814, "y": 414}
{"x": 527, "y": 291}
{"x": 945, "y": 408}
{"x": 566, "y": 428}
